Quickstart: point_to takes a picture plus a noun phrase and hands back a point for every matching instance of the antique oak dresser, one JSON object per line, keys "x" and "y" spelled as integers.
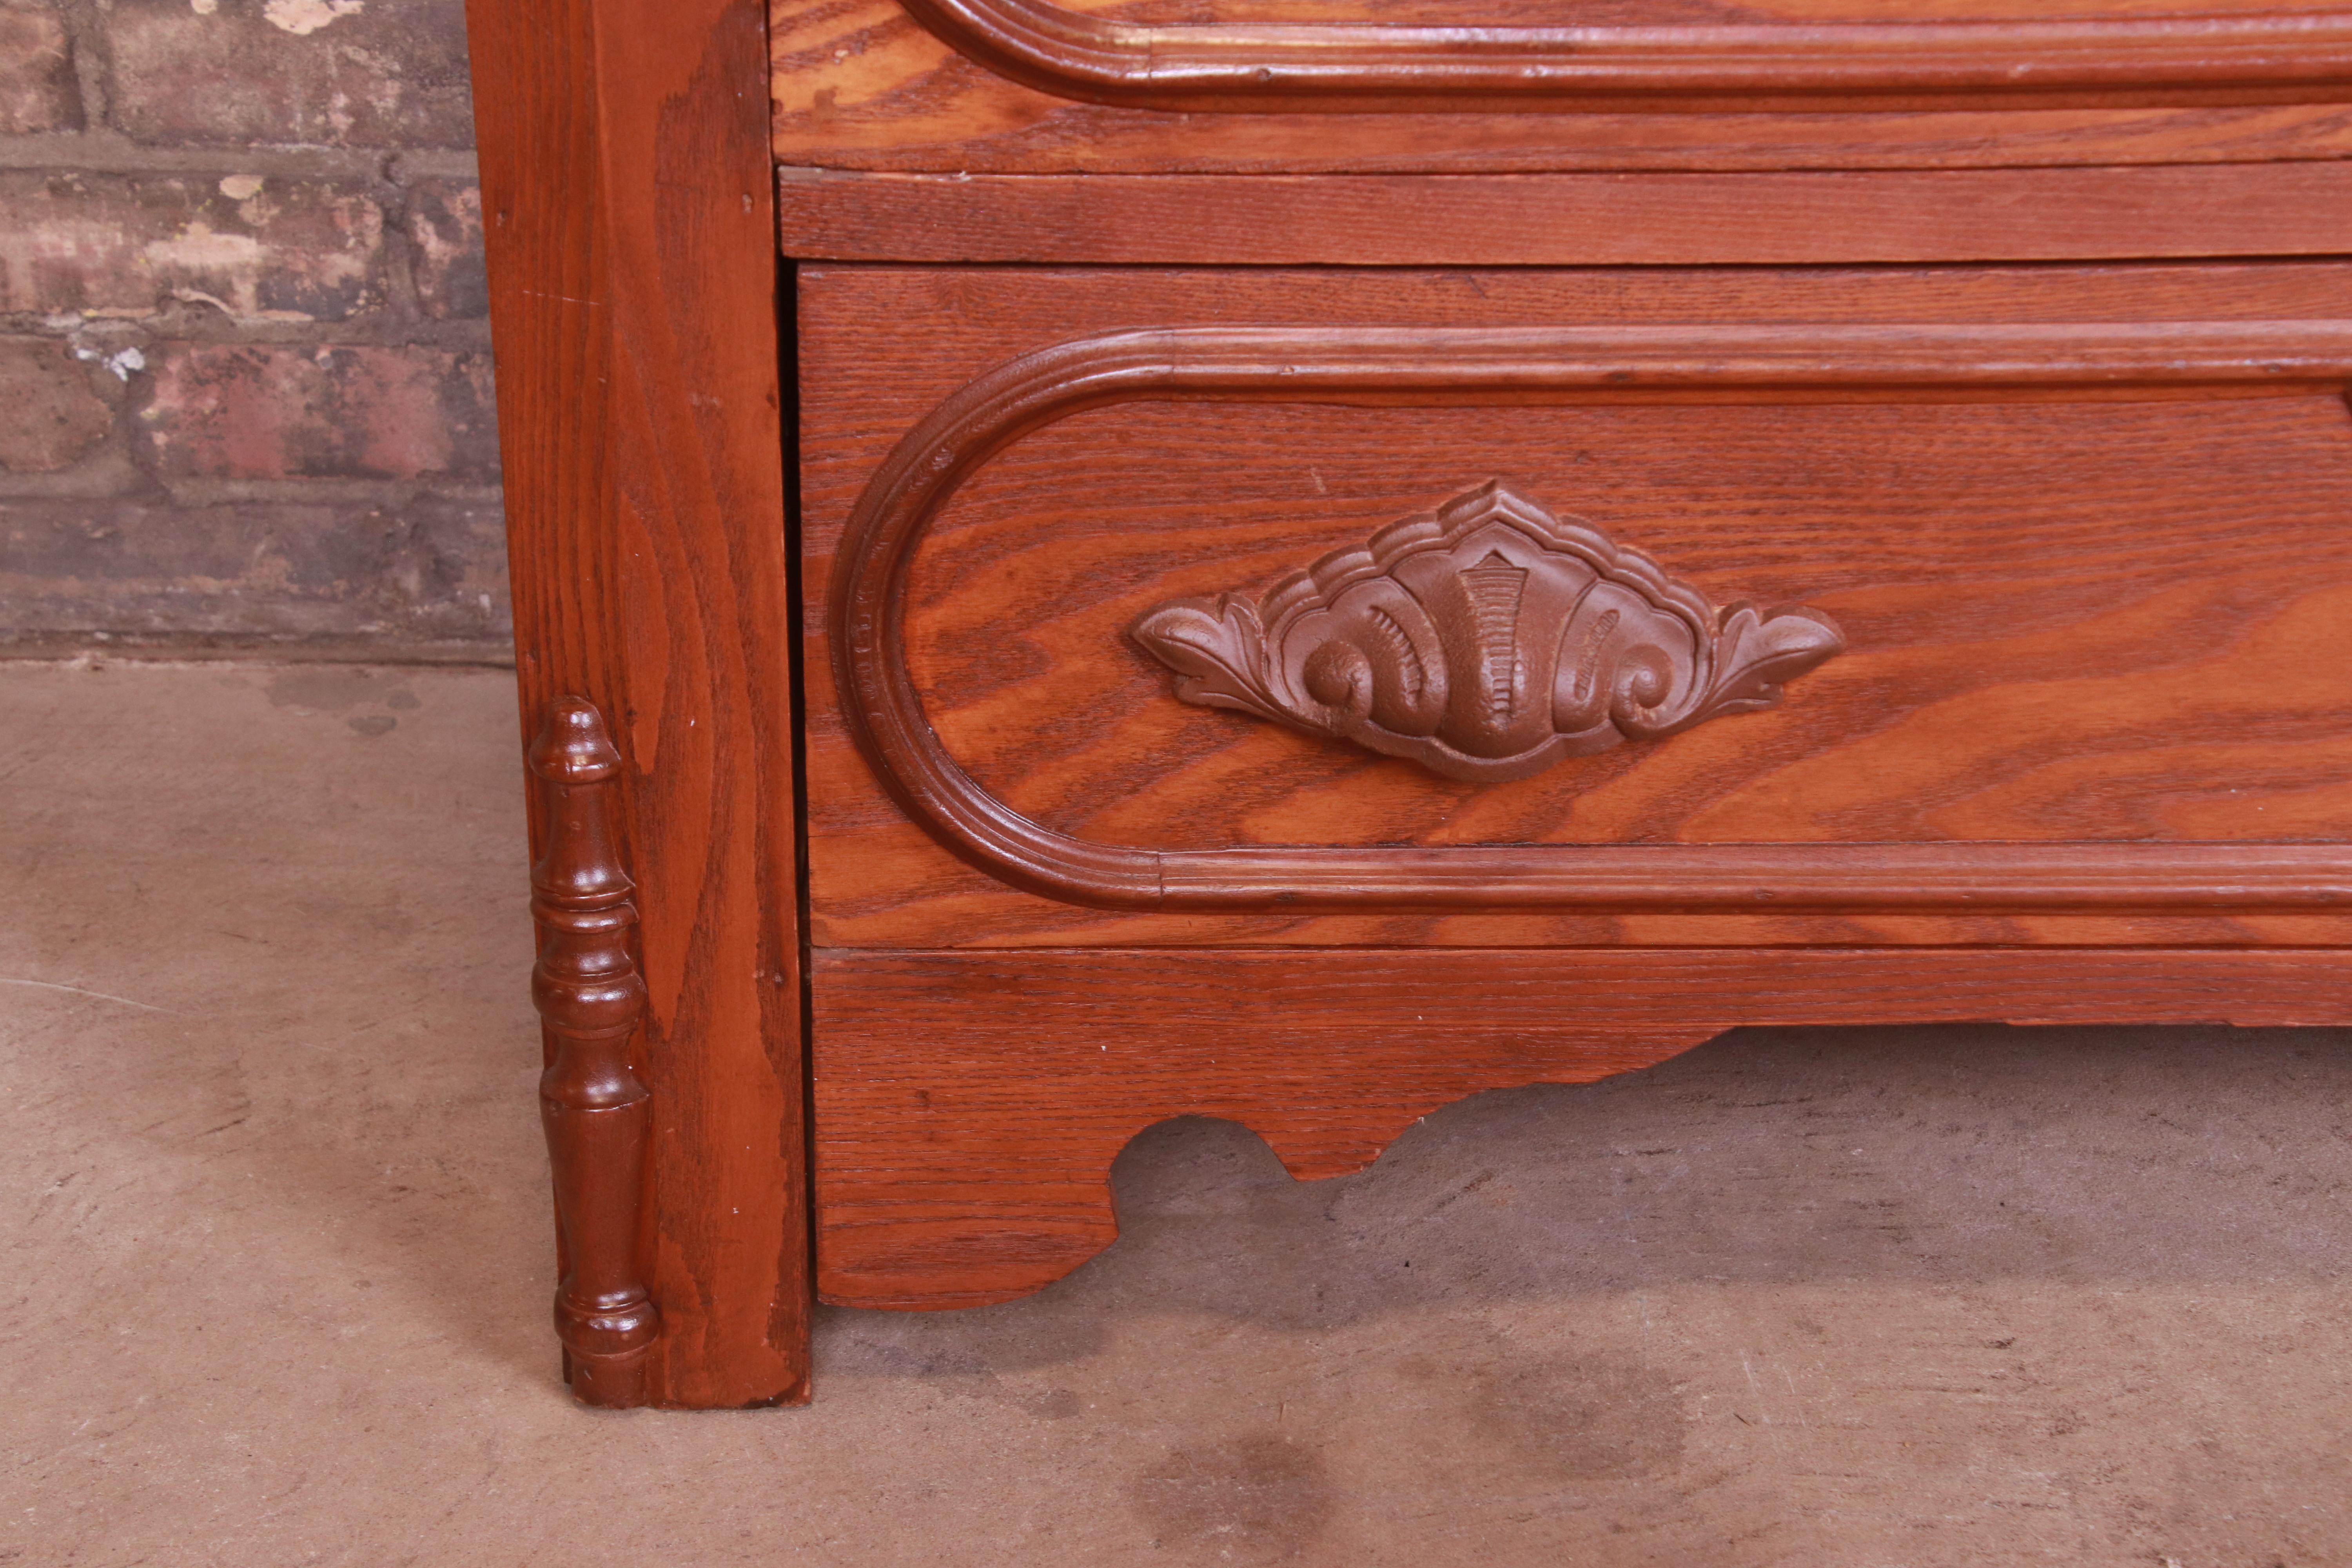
{"x": 1079, "y": 563}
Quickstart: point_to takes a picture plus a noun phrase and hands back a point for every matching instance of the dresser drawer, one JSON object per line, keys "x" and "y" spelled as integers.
{"x": 1355, "y": 552}
{"x": 1456, "y": 86}
{"x": 1569, "y": 608}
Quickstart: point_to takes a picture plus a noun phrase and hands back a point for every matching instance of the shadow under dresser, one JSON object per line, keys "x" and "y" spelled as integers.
{"x": 1079, "y": 565}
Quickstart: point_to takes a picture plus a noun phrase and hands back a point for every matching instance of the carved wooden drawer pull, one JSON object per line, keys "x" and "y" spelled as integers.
{"x": 1486, "y": 640}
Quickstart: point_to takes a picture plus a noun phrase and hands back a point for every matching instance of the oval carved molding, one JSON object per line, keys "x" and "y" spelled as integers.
{"x": 1486, "y": 640}
{"x": 1211, "y": 67}
{"x": 1423, "y": 366}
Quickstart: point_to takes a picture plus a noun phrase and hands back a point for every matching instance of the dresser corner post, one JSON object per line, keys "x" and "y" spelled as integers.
{"x": 596, "y": 1110}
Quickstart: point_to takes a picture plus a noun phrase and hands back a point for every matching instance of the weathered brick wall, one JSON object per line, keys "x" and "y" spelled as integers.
{"x": 245, "y": 372}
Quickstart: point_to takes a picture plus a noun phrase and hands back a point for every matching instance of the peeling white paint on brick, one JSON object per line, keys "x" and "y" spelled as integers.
{"x": 122, "y": 365}
{"x": 227, "y": 271}
{"x": 288, "y": 252}
{"x": 99, "y": 262}
{"x": 303, "y": 17}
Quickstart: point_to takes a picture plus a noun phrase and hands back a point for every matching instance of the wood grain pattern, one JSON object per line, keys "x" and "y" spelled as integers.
{"x": 1972, "y": 552}
{"x": 591, "y": 1000}
{"x": 861, "y": 84}
{"x": 1513, "y": 364}
{"x": 627, "y": 197}
{"x": 1314, "y": 67}
{"x": 969, "y": 1105}
{"x": 1842, "y": 218}
{"x": 2084, "y": 527}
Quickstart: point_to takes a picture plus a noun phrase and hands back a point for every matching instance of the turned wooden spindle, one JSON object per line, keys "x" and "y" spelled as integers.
{"x": 589, "y": 996}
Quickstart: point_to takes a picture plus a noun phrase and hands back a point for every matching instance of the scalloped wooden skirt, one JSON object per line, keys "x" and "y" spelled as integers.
{"x": 968, "y": 1105}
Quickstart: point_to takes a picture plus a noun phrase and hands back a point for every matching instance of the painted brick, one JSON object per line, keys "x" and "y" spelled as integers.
{"x": 349, "y": 450}
{"x": 423, "y": 571}
{"x": 49, "y": 417}
{"x": 128, "y": 246}
{"x": 331, "y": 72}
{"x": 251, "y": 411}
{"x": 444, "y": 570}
{"x": 444, "y": 233}
{"x": 38, "y": 89}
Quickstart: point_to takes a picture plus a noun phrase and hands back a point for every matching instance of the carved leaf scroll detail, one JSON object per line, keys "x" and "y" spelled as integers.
{"x": 1486, "y": 640}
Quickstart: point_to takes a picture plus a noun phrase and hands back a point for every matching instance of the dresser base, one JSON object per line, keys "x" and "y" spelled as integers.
{"x": 968, "y": 1105}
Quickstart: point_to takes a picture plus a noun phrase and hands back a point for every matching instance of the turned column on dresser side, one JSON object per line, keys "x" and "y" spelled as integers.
{"x": 590, "y": 999}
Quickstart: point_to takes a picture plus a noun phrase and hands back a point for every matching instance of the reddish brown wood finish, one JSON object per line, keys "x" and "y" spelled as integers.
{"x": 1311, "y": 67}
{"x": 2159, "y": 548}
{"x": 997, "y": 696}
{"x": 590, "y": 999}
{"x": 1356, "y": 86}
{"x": 627, "y": 197}
{"x": 1572, "y": 220}
{"x": 968, "y": 1105}
{"x": 1486, "y": 641}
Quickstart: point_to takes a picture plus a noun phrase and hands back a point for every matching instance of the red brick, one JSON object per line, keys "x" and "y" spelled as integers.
{"x": 444, "y": 233}
{"x": 38, "y": 89}
{"x": 49, "y": 419}
{"x": 433, "y": 570}
{"x": 313, "y": 71}
{"x": 444, "y": 571}
{"x": 248, "y": 412}
{"x": 126, "y": 245}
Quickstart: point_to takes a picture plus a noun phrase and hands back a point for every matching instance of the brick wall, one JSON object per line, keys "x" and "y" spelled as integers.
{"x": 245, "y": 372}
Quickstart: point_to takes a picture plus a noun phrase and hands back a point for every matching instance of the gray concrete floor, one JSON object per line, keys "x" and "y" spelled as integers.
{"x": 279, "y": 1266}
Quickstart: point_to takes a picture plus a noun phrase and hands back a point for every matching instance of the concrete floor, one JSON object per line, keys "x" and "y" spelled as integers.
{"x": 279, "y": 1277}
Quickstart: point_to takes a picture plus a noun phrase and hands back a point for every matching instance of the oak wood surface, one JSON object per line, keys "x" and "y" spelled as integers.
{"x": 1260, "y": 866}
{"x": 2081, "y": 616}
{"x": 1840, "y": 217}
{"x": 1813, "y": 55}
{"x": 627, "y": 204}
{"x": 968, "y": 1105}
{"x": 863, "y": 84}
{"x": 2078, "y": 621}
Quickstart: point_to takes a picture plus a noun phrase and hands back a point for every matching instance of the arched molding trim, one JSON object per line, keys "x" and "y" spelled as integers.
{"x": 1430, "y": 367}
{"x": 1196, "y": 68}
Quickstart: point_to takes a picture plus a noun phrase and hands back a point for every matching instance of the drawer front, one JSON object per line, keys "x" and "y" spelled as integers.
{"x": 1050, "y": 86}
{"x": 1524, "y": 608}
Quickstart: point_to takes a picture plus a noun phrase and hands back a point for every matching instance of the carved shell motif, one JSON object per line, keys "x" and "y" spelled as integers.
{"x": 1486, "y": 640}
